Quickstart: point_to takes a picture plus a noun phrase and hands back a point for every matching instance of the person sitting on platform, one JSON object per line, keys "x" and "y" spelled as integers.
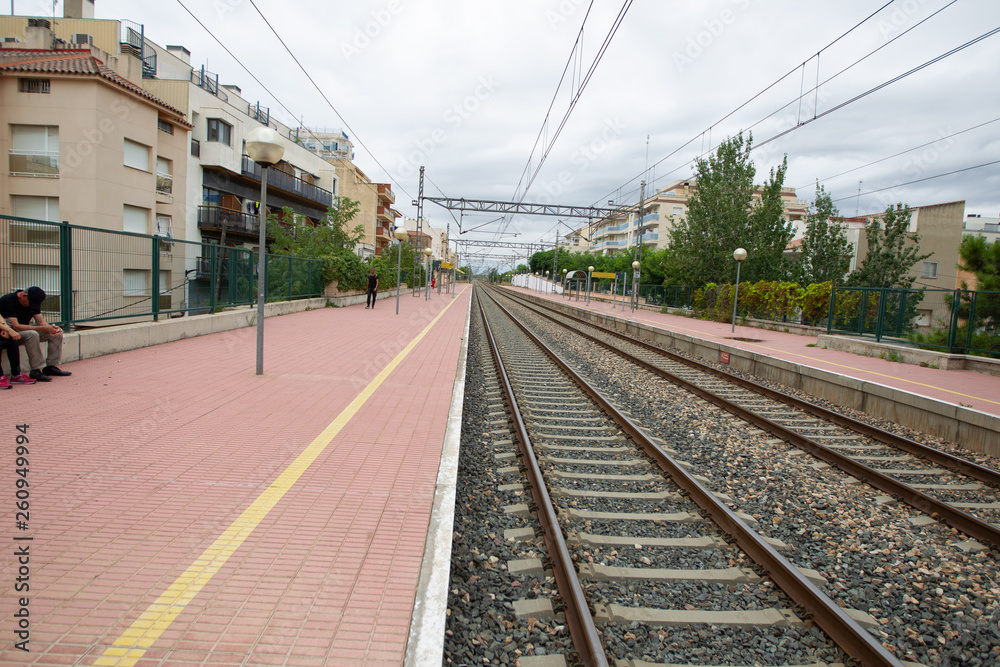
{"x": 19, "y": 308}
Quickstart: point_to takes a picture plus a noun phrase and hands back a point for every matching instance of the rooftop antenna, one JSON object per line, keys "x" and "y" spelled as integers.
{"x": 857, "y": 204}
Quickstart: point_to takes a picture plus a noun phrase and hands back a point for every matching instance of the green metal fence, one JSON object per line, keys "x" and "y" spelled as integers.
{"x": 971, "y": 325}
{"x": 94, "y": 275}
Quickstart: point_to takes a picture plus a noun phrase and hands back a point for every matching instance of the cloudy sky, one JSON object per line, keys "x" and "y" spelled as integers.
{"x": 463, "y": 87}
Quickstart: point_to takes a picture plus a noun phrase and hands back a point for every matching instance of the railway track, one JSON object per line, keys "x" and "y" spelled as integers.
{"x": 625, "y": 523}
{"x": 937, "y": 483}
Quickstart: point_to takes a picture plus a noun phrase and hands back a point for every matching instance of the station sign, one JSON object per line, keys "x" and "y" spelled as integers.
{"x": 447, "y": 265}
{"x": 597, "y": 274}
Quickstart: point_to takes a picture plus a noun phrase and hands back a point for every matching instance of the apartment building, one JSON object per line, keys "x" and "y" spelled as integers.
{"x": 660, "y": 212}
{"x": 88, "y": 146}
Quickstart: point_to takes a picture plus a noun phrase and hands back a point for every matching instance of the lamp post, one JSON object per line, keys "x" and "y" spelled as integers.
{"x": 265, "y": 147}
{"x": 739, "y": 255}
{"x": 635, "y": 285}
{"x": 427, "y": 275}
{"x": 564, "y": 280}
{"x": 590, "y": 270}
{"x": 546, "y": 280}
{"x": 400, "y": 234}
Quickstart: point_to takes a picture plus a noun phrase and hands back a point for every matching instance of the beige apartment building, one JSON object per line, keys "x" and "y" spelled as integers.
{"x": 375, "y": 212}
{"x": 660, "y": 212}
{"x": 88, "y": 146}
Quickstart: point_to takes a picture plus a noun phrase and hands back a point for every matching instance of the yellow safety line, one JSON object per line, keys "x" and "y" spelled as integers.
{"x": 139, "y": 637}
{"x": 832, "y": 363}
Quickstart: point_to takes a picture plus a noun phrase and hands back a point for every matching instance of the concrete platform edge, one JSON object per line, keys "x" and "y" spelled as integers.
{"x": 425, "y": 643}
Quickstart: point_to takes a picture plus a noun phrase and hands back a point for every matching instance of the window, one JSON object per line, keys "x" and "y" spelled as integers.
{"x": 33, "y": 85}
{"x": 195, "y": 148}
{"x": 35, "y": 151}
{"x": 991, "y": 227}
{"x": 135, "y": 219}
{"x": 164, "y": 126}
{"x": 678, "y": 210}
{"x": 163, "y": 228}
{"x": 135, "y": 282}
{"x": 164, "y": 179}
{"x": 219, "y": 130}
{"x": 136, "y": 155}
{"x": 928, "y": 270}
{"x": 46, "y": 277}
{"x": 35, "y": 208}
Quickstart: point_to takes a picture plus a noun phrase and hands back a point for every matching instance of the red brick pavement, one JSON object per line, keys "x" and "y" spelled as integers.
{"x": 141, "y": 460}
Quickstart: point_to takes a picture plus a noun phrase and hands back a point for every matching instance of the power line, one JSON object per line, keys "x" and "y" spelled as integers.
{"x": 744, "y": 104}
{"x": 327, "y": 100}
{"x": 919, "y": 180}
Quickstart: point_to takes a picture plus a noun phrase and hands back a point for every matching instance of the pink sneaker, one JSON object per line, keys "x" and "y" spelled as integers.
{"x": 4, "y": 384}
{"x": 21, "y": 379}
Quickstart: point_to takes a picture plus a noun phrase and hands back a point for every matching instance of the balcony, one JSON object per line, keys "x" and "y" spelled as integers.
{"x": 228, "y": 220}
{"x": 385, "y": 214}
{"x": 40, "y": 164}
{"x": 383, "y": 233}
{"x": 385, "y": 193}
{"x": 290, "y": 184}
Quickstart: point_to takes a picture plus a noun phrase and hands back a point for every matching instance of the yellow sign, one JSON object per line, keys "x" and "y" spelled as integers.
{"x": 597, "y": 274}
{"x": 447, "y": 265}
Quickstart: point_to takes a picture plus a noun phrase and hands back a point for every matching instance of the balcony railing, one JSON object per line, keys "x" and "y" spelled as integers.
{"x": 43, "y": 164}
{"x": 230, "y": 220}
{"x": 385, "y": 192}
{"x": 282, "y": 181}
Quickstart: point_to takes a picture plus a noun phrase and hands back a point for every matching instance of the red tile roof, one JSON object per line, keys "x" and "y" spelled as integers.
{"x": 72, "y": 61}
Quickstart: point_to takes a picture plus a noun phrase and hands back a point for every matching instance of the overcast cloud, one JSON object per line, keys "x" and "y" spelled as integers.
{"x": 462, "y": 88}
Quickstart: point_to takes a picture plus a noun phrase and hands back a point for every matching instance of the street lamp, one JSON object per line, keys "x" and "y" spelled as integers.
{"x": 739, "y": 255}
{"x": 400, "y": 234}
{"x": 590, "y": 270}
{"x": 265, "y": 147}
{"x": 564, "y": 280}
{"x": 635, "y": 285}
{"x": 427, "y": 275}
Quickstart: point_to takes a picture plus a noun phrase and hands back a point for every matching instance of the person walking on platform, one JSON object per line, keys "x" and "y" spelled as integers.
{"x": 372, "y": 289}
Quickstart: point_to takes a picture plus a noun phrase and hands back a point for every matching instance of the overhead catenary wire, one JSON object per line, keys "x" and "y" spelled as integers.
{"x": 744, "y": 104}
{"x": 329, "y": 103}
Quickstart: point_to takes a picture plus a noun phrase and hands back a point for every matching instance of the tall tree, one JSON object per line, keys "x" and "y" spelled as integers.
{"x": 826, "y": 252}
{"x": 983, "y": 259}
{"x": 723, "y": 215}
{"x": 892, "y": 251}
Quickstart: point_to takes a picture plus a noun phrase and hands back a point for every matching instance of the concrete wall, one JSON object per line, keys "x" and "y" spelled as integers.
{"x": 969, "y": 428}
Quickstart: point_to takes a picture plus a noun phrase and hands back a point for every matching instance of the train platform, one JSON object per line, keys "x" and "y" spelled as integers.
{"x": 180, "y": 510}
{"x": 978, "y": 391}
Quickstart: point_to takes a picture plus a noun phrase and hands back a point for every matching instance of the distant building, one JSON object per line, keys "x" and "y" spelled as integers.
{"x": 977, "y": 225}
{"x": 662, "y": 210}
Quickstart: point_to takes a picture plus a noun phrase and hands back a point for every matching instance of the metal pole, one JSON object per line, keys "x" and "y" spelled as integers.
{"x": 260, "y": 270}
{"x": 588, "y": 288}
{"x": 736, "y": 295}
{"x": 419, "y": 245}
{"x": 638, "y": 247}
{"x": 399, "y": 267}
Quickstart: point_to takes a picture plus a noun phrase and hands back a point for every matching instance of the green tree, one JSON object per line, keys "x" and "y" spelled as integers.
{"x": 983, "y": 259}
{"x": 826, "y": 252}
{"x": 331, "y": 240}
{"x": 724, "y": 215}
{"x": 892, "y": 251}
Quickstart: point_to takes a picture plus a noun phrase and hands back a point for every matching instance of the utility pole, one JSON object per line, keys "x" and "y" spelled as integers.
{"x": 555, "y": 261}
{"x": 638, "y": 246}
{"x": 419, "y": 245}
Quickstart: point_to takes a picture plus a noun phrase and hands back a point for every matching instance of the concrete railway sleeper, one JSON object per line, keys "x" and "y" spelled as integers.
{"x": 961, "y": 492}
{"x": 932, "y": 593}
{"x": 647, "y": 548}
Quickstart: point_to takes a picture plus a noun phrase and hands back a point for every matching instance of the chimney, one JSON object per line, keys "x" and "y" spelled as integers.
{"x": 39, "y": 35}
{"x": 180, "y": 52}
{"x": 78, "y": 9}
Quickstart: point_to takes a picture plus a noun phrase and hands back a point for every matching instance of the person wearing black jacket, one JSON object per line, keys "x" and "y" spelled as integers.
{"x": 23, "y": 311}
{"x": 372, "y": 289}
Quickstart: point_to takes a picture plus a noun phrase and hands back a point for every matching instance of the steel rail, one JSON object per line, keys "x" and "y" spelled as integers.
{"x": 937, "y": 456}
{"x": 583, "y": 630}
{"x": 834, "y": 621}
{"x": 954, "y": 517}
